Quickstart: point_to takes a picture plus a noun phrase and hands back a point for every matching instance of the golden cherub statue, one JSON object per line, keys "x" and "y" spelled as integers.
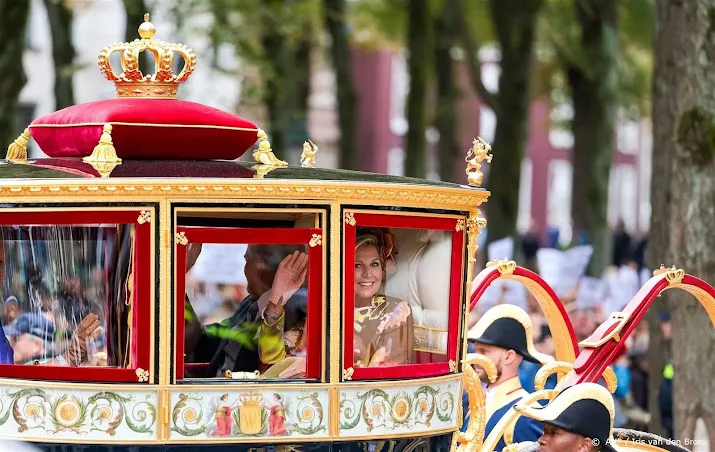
{"x": 307, "y": 158}
{"x": 479, "y": 152}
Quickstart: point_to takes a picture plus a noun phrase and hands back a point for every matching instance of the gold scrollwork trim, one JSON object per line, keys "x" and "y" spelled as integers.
{"x": 144, "y": 217}
{"x": 554, "y": 367}
{"x": 350, "y": 218}
{"x": 460, "y": 225}
{"x": 181, "y": 238}
{"x": 452, "y": 365}
{"x": 316, "y": 240}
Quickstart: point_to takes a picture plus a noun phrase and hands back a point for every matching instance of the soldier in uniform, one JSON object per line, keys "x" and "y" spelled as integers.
{"x": 578, "y": 419}
{"x": 503, "y": 335}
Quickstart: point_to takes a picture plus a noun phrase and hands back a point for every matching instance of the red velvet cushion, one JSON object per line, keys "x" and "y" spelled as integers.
{"x": 145, "y": 129}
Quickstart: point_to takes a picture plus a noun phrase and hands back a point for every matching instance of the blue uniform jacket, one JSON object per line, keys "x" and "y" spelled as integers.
{"x": 505, "y": 396}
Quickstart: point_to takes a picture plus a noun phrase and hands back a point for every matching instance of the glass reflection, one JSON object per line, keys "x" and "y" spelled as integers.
{"x": 260, "y": 294}
{"x": 67, "y": 295}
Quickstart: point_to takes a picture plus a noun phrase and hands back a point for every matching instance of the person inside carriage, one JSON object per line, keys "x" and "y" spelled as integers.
{"x": 383, "y": 325}
{"x": 579, "y": 419}
{"x": 246, "y": 341}
{"x": 503, "y": 334}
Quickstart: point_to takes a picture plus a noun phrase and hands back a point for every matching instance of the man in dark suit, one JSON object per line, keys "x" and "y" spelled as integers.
{"x": 233, "y": 344}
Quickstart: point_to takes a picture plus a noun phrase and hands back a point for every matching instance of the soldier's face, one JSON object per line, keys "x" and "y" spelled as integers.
{"x": 555, "y": 439}
{"x": 495, "y": 354}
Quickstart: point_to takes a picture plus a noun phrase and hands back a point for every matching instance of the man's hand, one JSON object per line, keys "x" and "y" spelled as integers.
{"x": 290, "y": 276}
{"x": 87, "y": 330}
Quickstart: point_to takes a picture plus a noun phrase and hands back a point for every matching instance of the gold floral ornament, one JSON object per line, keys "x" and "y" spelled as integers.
{"x": 348, "y": 373}
{"x": 104, "y": 157}
{"x": 316, "y": 240}
{"x": 475, "y": 156}
{"x": 181, "y": 238}
{"x": 142, "y": 375}
{"x": 144, "y": 217}
{"x": 471, "y": 439}
{"x": 132, "y": 82}
{"x": 307, "y": 158}
{"x": 17, "y": 151}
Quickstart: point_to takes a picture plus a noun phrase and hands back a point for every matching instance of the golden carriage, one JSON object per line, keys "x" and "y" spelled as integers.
{"x": 105, "y": 229}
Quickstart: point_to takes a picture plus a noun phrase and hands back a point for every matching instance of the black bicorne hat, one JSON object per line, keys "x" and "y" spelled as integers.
{"x": 509, "y": 327}
{"x": 586, "y": 409}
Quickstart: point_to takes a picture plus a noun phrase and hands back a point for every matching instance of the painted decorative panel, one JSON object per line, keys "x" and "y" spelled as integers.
{"x": 404, "y": 409}
{"x": 33, "y": 412}
{"x": 249, "y": 414}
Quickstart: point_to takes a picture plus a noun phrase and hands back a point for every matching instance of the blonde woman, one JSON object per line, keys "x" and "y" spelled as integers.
{"x": 383, "y": 325}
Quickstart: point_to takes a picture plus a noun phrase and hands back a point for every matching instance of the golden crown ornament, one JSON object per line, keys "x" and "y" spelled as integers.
{"x": 164, "y": 83}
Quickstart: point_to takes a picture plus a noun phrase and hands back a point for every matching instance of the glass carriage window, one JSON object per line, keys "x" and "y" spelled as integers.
{"x": 70, "y": 295}
{"x": 402, "y": 287}
{"x": 249, "y": 300}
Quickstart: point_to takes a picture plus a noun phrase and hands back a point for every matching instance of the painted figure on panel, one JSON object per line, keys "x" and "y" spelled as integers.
{"x": 223, "y": 417}
{"x": 277, "y": 417}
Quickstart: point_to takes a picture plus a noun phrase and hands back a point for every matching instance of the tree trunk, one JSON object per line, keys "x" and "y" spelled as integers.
{"x": 59, "y": 15}
{"x": 301, "y": 76}
{"x": 135, "y": 10}
{"x": 515, "y": 24}
{"x": 594, "y": 89}
{"x": 336, "y": 24}
{"x": 275, "y": 74}
{"x": 13, "y": 24}
{"x": 683, "y": 188}
{"x": 450, "y": 165}
{"x": 419, "y": 47}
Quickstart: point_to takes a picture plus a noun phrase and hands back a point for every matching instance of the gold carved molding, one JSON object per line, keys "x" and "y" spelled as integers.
{"x": 358, "y": 192}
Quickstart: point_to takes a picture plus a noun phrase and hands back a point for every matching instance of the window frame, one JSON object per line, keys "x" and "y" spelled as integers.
{"x": 254, "y": 236}
{"x": 404, "y": 220}
{"x": 142, "y": 337}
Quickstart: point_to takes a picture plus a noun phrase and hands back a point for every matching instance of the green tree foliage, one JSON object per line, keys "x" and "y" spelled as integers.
{"x": 274, "y": 40}
{"x": 419, "y": 56}
{"x": 514, "y": 25}
{"x": 595, "y": 54}
{"x": 336, "y": 23}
